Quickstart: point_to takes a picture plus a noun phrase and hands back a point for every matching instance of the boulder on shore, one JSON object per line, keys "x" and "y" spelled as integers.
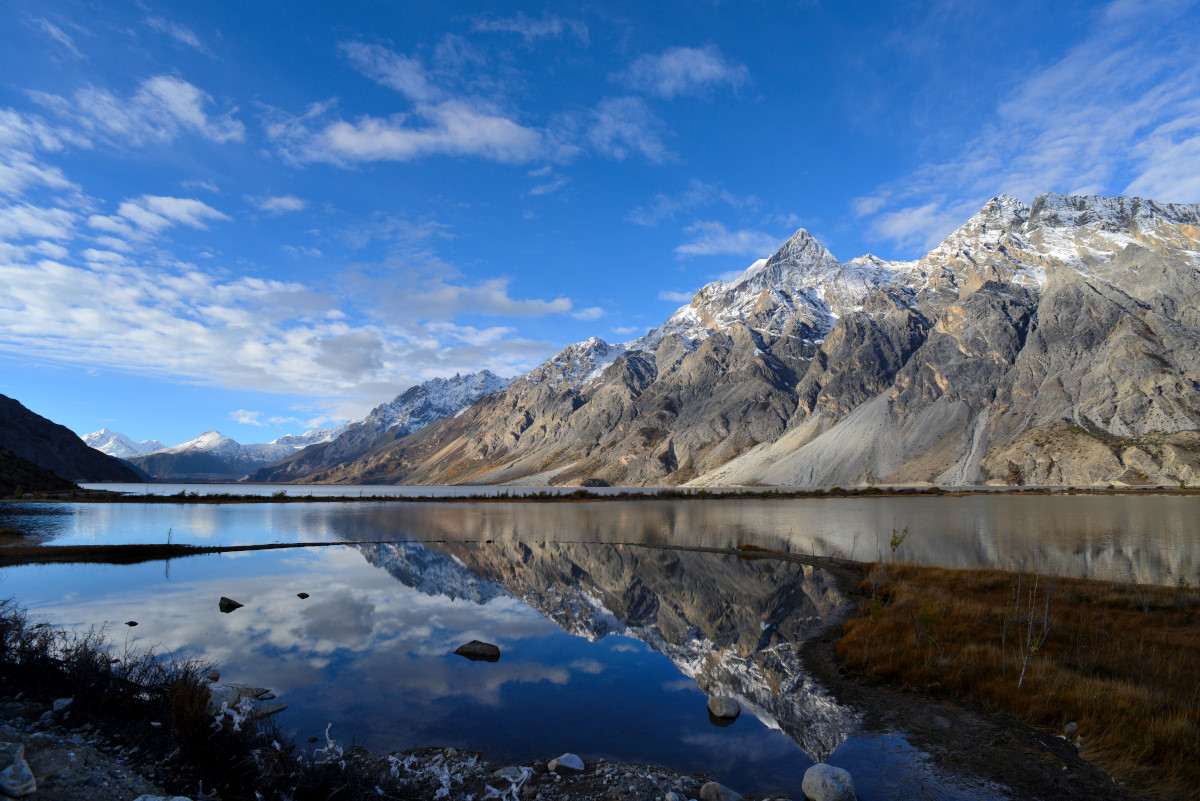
{"x": 826, "y": 783}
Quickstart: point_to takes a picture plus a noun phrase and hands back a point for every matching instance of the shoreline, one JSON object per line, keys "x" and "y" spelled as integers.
{"x": 586, "y": 495}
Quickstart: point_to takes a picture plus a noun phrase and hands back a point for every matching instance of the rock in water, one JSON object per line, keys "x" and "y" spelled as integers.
{"x": 228, "y": 604}
{"x": 478, "y": 651}
{"x": 17, "y": 781}
{"x": 61, "y": 705}
{"x": 302, "y": 595}
{"x": 723, "y": 710}
{"x": 711, "y": 791}
{"x": 566, "y": 762}
{"x": 826, "y": 783}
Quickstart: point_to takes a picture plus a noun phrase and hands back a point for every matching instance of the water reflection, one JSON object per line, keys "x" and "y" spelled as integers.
{"x": 731, "y": 624}
{"x": 608, "y": 651}
{"x": 1149, "y": 539}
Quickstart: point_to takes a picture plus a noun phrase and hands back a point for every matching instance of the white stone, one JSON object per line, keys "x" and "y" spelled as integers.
{"x": 826, "y": 783}
{"x": 567, "y": 762}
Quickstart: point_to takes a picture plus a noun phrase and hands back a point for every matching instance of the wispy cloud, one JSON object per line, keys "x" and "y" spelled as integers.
{"x": 683, "y": 71}
{"x": 590, "y": 313}
{"x": 1119, "y": 113}
{"x": 182, "y": 35}
{"x": 391, "y": 69}
{"x": 159, "y": 110}
{"x": 710, "y": 238}
{"x": 547, "y": 26}
{"x": 621, "y": 126}
{"x": 57, "y": 34}
{"x": 278, "y": 204}
{"x": 697, "y": 195}
{"x": 675, "y": 296}
{"x": 143, "y": 217}
{"x": 247, "y": 418}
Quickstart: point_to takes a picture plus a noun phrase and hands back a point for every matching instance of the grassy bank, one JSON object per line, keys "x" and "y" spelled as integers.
{"x": 1120, "y": 660}
{"x": 161, "y": 707}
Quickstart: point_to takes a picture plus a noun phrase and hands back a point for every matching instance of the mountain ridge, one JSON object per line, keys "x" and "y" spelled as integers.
{"x": 1056, "y": 342}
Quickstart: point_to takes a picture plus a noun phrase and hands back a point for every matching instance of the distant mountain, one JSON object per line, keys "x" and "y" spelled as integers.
{"x": 1056, "y": 343}
{"x": 212, "y": 456}
{"x": 119, "y": 445}
{"x": 56, "y": 448}
{"x": 410, "y": 411}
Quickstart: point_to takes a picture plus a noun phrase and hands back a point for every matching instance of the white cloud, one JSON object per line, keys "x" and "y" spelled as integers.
{"x": 57, "y": 34}
{"x": 279, "y": 204}
{"x": 624, "y": 125}
{"x": 406, "y": 75}
{"x": 550, "y": 187}
{"x": 159, "y": 110}
{"x": 247, "y": 418}
{"x": 428, "y": 296}
{"x": 179, "y": 33}
{"x": 697, "y": 195}
{"x": 26, "y": 221}
{"x": 712, "y": 239}
{"x": 590, "y": 313}
{"x": 622, "y": 330}
{"x": 676, "y": 297}
{"x": 1119, "y": 113}
{"x": 548, "y": 26}
{"x": 153, "y": 213}
{"x": 207, "y": 186}
{"x": 453, "y": 127}
{"x": 683, "y": 71}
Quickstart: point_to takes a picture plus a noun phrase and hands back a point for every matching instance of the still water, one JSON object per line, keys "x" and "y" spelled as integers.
{"x": 610, "y": 644}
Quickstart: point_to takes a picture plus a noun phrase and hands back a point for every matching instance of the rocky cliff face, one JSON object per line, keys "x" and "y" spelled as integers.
{"x": 56, "y": 448}
{"x": 1057, "y": 343}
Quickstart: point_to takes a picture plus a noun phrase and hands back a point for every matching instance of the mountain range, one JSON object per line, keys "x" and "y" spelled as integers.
{"x": 213, "y": 456}
{"x": 1055, "y": 343}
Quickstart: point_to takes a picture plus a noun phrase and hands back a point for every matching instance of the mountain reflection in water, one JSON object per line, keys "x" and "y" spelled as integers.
{"x": 734, "y": 625}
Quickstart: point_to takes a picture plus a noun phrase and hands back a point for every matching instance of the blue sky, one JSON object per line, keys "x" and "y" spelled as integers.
{"x": 261, "y": 217}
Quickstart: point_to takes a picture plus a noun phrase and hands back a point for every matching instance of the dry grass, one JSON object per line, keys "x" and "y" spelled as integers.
{"x": 1121, "y": 660}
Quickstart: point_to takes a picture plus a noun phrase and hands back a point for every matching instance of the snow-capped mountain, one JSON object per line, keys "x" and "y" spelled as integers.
{"x": 116, "y": 444}
{"x": 1051, "y": 343}
{"x": 801, "y": 282}
{"x": 409, "y": 411}
{"x": 212, "y": 456}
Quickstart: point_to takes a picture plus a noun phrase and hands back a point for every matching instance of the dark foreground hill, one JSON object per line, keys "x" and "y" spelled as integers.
{"x": 56, "y": 448}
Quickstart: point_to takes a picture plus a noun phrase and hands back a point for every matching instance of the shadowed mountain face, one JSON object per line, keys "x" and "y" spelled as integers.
{"x": 734, "y": 625}
{"x": 56, "y": 448}
{"x": 1057, "y": 343}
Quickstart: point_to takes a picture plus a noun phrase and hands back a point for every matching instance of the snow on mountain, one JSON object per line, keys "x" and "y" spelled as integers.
{"x": 117, "y": 444}
{"x": 577, "y": 364}
{"x": 802, "y": 281}
{"x": 432, "y": 400}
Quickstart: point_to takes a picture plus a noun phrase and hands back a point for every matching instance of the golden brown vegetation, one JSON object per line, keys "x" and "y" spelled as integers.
{"x": 1121, "y": 660}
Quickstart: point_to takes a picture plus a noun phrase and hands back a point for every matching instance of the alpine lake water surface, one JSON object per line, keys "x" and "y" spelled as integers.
{"x": 612, "y": 631}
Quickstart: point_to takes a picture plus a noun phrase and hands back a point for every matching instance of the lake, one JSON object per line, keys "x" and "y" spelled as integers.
{"x": 611, "y": 638}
